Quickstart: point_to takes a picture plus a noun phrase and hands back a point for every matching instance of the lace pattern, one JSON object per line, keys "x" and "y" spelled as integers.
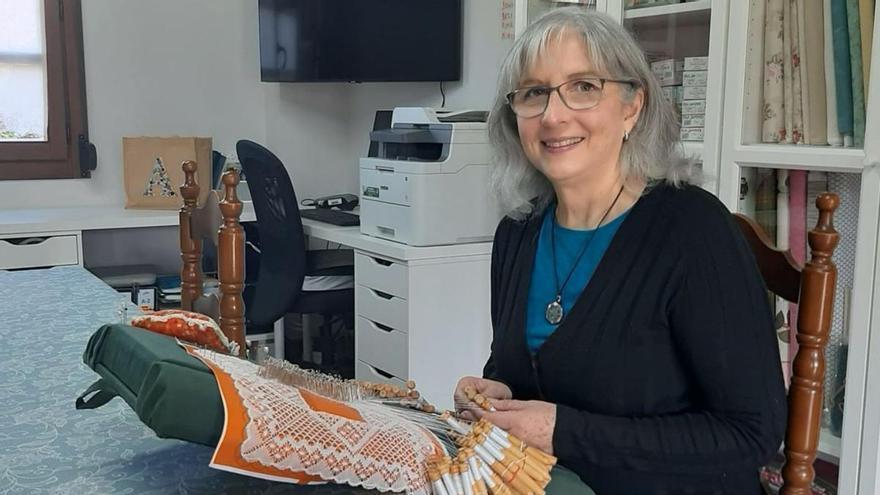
{"x": 292, "y": 431}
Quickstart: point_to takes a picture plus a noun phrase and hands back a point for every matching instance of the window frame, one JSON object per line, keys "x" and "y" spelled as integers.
{"x": 59, "y": 157}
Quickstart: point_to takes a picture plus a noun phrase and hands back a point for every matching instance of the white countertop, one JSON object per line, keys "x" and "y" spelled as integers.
{"x": 48, "y": 220}
{"x": 45, "y": 220}
{"x": 352, "y": 237}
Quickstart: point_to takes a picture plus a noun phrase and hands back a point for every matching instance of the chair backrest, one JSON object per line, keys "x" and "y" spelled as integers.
{"x": 812, "y": 288}
{"x": 217, "y": 220}
{"x": 282, "y": 242}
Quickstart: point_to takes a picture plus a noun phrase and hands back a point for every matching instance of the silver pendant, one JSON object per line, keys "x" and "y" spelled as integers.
{"x": 554, "y": 311}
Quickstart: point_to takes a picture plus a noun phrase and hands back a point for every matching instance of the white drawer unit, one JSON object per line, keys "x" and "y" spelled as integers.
{"x": 382, "y": 274}
{"x": 36, "y": 251}
{"x": 423, "y": 319}
{"x": 382, "y": 346}
{"x": 364, "y": 371}
{"x": 381, "y": 307}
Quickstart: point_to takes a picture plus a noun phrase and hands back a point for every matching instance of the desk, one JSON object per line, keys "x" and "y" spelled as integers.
{"x": 422, "y": 313}
{"x": 62, "y": 229}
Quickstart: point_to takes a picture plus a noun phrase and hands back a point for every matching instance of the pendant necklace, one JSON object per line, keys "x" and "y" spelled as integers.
{"x": 554, "y": 312}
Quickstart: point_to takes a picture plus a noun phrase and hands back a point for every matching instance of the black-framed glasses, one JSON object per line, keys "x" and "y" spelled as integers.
{"x": 577, "y": 94}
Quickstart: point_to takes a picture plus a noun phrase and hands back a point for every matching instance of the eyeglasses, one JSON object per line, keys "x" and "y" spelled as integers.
{"x": 577, "y": 94}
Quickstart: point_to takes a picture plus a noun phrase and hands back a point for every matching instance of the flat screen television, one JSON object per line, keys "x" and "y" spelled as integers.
{"x": 360, "y": 40}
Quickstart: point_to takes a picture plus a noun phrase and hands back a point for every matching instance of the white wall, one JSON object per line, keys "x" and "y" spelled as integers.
{"x": 307, "y": 127}
{"x": 158, "y": 67}
{"x": 320, "y": 130}
{"x": 171, "y": 67}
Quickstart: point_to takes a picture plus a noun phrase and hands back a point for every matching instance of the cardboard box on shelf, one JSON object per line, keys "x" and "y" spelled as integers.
{"x": 693, "y": 107}
{"x": 673, "y": 93}
{"x": 694, "y": 93}
{"x": 691, "y": 133}
{"x": 667, "y": 65}
{"x": 696, "y": 63}
{"x": 693, "y": 120}
{"x": 694, "y": 78}
{"x": 669, "y": 78}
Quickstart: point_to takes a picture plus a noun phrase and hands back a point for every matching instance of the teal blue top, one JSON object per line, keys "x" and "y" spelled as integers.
{"x": 569, "y": 244}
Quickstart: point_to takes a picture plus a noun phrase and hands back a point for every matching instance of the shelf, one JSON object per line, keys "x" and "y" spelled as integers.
{"x": 829, "y": 446}
{"x": 701, "y": 7}
{"x": 803, "y": 157}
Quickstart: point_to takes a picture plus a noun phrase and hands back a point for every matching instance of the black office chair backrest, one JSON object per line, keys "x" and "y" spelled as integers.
{"x": 282, "y": 257}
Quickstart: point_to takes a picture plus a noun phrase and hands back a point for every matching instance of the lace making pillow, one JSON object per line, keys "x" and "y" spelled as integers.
{"x": 188, "y": 326}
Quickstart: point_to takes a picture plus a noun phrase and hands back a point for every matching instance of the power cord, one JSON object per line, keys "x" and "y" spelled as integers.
{"x": 443, "y": 94}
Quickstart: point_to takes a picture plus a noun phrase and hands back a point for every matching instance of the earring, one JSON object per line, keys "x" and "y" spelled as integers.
{"x": 626, "y": 135}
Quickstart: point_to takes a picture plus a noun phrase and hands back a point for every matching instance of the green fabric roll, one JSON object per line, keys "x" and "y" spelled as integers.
{"x": 842, "y": 67}
{"x": 855, "y": 61}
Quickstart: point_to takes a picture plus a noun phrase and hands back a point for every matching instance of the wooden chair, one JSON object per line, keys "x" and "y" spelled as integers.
{"x": 812, "y": 288}
{"x": 198, "y": 223}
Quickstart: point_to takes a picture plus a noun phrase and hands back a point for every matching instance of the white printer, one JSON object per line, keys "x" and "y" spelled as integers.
{"x": 428, "y": 183}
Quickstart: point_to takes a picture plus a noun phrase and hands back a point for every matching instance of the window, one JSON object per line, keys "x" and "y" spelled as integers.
{"x": 43, "y": 131}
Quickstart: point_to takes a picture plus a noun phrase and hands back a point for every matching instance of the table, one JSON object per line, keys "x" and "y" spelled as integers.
{"x": 49, "y": 447}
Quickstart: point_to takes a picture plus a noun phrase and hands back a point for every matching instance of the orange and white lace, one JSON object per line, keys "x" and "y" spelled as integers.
{"x": 278, "y": 432}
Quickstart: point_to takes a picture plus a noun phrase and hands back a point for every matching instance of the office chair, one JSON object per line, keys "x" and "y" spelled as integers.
{"x": 284, "y": 262}
{"x": 812, "y": 288}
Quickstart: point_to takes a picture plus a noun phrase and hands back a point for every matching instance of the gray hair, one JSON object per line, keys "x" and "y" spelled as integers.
{"x": 652, "y": 152}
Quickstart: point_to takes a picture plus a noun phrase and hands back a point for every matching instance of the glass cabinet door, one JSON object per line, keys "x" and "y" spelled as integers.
{"x": 678, "y": 39}
{"x": 529, "y": 10}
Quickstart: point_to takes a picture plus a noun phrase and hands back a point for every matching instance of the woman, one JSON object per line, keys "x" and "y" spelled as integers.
{"x": 632, "y": 333}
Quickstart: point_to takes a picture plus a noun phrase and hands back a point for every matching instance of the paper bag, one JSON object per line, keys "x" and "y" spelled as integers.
{"x": 153, "y": 173}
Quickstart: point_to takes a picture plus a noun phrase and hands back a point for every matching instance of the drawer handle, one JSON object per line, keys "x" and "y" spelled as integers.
{"x": 381, "y": 261}
{"x": 382, "y": 373}
{"x": 383, "y": 295}
{"x": 379, "y": 326}
{"x": 26, "y": 241}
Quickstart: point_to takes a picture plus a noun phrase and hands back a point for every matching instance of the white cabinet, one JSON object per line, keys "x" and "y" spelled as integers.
{"x": 424, "y": 319}
{"x": 40, "y": 250}
{"x": 744, "y": 158}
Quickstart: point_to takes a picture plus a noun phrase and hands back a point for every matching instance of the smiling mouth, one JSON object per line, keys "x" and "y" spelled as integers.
{"x": 561, "y": 143}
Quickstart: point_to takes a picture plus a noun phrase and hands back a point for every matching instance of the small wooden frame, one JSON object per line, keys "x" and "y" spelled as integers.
{"x": 812, "y": 288}
{"x": 197, "y": 223}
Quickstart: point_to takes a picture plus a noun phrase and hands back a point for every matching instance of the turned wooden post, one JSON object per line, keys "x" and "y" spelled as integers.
{"x": 818, "y": 280}
{"x": 190, "y": 249}
{"x": 231, "y": 264}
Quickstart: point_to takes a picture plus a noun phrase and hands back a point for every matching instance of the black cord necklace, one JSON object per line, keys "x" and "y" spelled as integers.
{"x": 554, "y": 312}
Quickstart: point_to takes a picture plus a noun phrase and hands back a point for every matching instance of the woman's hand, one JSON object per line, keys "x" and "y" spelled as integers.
{"x": 531, "y": 421}
{"x": 489, "y": 389}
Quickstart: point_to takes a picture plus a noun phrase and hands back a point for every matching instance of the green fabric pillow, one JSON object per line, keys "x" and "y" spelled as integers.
{"x": 172, "y": 392}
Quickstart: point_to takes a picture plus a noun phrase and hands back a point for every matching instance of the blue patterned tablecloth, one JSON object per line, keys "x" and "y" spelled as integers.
{"x": 46, "y": 445}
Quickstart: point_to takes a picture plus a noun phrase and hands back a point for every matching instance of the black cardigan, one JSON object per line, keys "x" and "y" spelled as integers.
{"x": 666, "y": 371}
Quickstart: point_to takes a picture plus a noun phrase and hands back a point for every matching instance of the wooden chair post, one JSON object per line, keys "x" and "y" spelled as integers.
{"x": 231, "y": 265}
{"x": 190, "y": 248}
{"x": 816, "y": 304}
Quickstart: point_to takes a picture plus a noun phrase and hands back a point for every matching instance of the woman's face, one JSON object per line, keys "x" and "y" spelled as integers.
{"x": 570, "y": 145}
